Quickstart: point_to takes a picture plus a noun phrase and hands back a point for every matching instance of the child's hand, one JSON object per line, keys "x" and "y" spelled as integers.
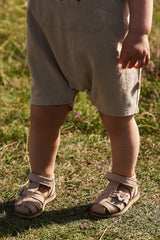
{"x": 135, "y": 51}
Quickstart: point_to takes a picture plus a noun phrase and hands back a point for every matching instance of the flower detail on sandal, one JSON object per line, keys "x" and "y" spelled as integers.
{"x": 121, "y": 196}
{"x": 113, "y": 202}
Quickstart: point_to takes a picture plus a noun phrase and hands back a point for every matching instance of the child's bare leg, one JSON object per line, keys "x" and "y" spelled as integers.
{"x": 45, "y": 137}
{"x": 122, "y": 191}
{"x": 43, "y": 145}
{"x": 124, "y": 136}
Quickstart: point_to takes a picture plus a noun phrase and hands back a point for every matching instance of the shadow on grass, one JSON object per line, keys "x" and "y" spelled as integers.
{"x": 10, "y": 225}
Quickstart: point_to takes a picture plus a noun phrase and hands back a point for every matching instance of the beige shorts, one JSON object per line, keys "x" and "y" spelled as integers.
{"x": 74, "y": 46}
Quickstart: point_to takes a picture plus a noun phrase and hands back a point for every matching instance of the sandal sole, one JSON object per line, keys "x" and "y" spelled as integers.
{"x": 38, "y": 213}
{"x": 119, "y": 213}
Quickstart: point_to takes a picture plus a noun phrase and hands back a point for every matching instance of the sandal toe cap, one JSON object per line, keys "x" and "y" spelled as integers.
{"x": 22, "y": 209}
{"x": 99, "y": 209}
{"x": 27, "y": 208}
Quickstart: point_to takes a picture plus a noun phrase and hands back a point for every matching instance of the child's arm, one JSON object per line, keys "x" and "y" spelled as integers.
{"x": 135, "y": 48}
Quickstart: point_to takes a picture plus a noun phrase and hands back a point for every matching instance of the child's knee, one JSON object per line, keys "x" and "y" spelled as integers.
{"x": 46, "y": 115}
{"x": 114, "y": 125}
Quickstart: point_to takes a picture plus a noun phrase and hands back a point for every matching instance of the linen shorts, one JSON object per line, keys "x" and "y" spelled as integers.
{"x": 74, "y": 46}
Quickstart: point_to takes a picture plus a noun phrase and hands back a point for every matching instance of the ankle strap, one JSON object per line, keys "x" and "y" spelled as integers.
{"x": 41, "y": 180}
{"x": 131, "y": 182}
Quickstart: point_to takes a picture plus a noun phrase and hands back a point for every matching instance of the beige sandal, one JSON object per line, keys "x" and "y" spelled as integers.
{"x": 113, "y": 202}
{"x": 31, "y": 202}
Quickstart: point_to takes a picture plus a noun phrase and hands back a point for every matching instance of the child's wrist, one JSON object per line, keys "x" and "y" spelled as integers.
{"x": 139, "y": 31}
{"x": 138, "y": 34}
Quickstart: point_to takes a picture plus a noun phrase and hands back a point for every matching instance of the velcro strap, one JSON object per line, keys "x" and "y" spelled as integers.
{"x": 131, "y": 182}
{"x": 41, "y": 180}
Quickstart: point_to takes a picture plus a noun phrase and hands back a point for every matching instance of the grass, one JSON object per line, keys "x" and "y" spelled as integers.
{"x": 84, "y": 155}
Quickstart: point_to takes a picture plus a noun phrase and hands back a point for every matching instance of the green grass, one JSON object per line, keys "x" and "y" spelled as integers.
{"x": 84, "y": 155}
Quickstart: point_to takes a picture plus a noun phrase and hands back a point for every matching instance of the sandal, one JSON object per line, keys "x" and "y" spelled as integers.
{"x": 113, "y": 202}
{"x": 31, "y": 202}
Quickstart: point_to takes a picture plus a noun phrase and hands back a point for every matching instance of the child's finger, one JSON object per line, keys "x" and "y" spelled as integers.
{"x": 132, "y": 63}
{"x": 147, "y": 60}
{"x": 125, "y": 63}
{"x": 143, "y": 62}
{"x": 124, "y": 60}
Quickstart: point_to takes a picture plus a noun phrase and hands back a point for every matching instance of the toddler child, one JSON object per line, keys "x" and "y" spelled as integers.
{"x": 94, "y": 45}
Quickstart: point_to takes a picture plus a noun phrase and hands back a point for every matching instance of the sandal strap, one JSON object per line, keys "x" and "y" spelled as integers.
{"x": 131, "y": 182}
{"x": 30, "y": 194}
{"x": 115, "y": 200}
{"x": 41, "y": 180}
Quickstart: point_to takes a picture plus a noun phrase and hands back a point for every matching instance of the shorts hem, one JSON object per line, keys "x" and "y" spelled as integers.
{"x": 125, "y": 113}
{"x": 50, "y": 103}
